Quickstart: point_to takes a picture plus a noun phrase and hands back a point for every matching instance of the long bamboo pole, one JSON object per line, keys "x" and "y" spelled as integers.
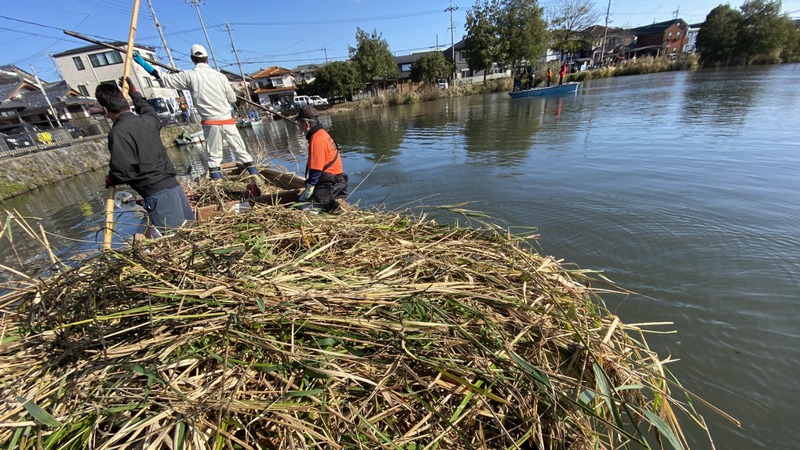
{"x": 171, "y": 69}
{"x": 108, "y": 231}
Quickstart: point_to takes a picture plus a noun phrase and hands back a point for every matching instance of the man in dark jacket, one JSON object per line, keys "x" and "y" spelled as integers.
{"x": 139, "y": 159}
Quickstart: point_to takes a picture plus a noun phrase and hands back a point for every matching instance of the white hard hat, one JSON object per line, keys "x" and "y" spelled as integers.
{"x": 199, "y": 51}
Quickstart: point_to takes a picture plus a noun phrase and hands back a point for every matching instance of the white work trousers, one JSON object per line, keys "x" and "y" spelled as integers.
{"x": 214, "y": 143}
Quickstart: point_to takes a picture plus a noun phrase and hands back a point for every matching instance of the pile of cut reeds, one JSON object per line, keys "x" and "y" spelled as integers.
{"x": 205, "y": 192}
{"x": 278, "y": 329}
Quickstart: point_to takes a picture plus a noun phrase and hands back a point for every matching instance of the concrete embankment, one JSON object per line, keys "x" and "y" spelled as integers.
{"x": 27, "y": 172}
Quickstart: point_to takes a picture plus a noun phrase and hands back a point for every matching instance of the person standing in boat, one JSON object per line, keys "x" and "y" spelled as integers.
{"x": 326, "y": 182}
{"x": 530, "y": 80}
{"x": 549, "y": 76}
{"x": 139, "y": 159}
{"x": 212, "y": 95}
{"x": 563, "y": 73}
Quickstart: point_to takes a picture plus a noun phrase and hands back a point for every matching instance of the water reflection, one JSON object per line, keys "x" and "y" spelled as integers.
{"x": 382, "y": 139}
{"x": 65, "y": 221}
{"x": 709, "y": 97}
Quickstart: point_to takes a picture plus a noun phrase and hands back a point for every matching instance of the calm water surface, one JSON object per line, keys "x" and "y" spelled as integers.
{"x": 680, "y": 186}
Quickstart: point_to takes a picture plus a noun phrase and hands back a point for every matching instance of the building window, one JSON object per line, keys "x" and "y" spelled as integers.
{"x": 678, "y": 35}
{"x": 105, "y": 58}
{"x": 148, "y": 82}
{"x": 82, "y": 89}
{"x": 670, "y": 36}
{"x": 78, "y": 62}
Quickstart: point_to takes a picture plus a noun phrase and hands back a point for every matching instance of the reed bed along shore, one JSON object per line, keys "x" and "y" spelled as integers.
{"x": 278, "y": 329}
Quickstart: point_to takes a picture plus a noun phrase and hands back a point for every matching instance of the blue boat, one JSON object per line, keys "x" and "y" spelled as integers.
{"x": 569, "y": 88}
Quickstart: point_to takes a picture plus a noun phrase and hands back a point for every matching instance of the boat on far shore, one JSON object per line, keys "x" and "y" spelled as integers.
{"x": 569, "y": 88}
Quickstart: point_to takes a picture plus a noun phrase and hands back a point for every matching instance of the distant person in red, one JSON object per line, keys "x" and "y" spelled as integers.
{"x": 549, "y": 77}
{"x": 563, "y": 73}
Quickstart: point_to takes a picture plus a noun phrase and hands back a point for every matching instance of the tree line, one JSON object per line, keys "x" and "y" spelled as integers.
{"x": 515, "y": 33}
{"x": 505, "y": 32}
{"x": 755, "y": 33}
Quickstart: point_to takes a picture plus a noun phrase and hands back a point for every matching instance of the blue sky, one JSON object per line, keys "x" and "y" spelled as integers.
{"x": 285, "y": 33}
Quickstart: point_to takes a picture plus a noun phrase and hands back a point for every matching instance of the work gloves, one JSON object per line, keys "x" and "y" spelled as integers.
{"x": 307, "y": 194}
{"x": 145, "y": 65}
{"x": 131, "y": 87}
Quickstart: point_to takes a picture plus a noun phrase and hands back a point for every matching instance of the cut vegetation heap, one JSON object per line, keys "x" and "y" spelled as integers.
{"x": 279, "y": 329}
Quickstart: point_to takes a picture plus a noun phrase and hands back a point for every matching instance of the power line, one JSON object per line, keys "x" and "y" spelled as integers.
{"x": 30, "y": 23}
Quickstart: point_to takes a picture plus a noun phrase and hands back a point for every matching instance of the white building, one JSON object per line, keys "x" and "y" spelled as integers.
{"x": 691, "y": 34}
{"x": 86, "y": 67}
{"x": 274, "y": 84}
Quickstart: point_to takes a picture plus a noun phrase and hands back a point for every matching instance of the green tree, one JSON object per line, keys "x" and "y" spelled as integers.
{"x": 481, "y": 44}
{"x": 372, "y": 57}
{"x": 791, "y": 49}
{"x": 761, "y": 31}
{"x": 335, "y": 79}
{"x": 522, "y": 31}
{"x": 717, "y": 38}
{"x": 568, "y": 18}
{"x": 431, "y": 67}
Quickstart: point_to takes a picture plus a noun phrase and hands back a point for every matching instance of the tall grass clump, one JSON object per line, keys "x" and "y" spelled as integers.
{"x": 278, "y": 329}
{"x": 648, "y": 64}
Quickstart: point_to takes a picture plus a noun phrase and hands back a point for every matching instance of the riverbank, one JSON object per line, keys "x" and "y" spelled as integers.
{"x": 640, "y": 66}
{"x": 25, "y": 173}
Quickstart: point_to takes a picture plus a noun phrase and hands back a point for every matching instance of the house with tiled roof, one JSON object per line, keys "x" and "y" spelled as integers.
{"x": 21, "y": 101}
{"x": 306, "y": 73}
{"x": 659, "y": 39}
{"x": 605, "y": 42}
{"x": 33, "y": 112}
{"x": 274, "y": 84}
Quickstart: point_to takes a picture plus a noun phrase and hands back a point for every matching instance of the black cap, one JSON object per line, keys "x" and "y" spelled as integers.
{"x": 308, "y": 112}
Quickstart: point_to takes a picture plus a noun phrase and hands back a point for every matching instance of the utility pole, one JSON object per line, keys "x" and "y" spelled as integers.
{"x": 233, "y": 46}
{"x": 676, "y": 12}
{"x": 605, "y": 34}
{"x": 452, "y": 36}
{"x": 47, "y": 99}
{"x": 161, "y": 33}
{"x": 208, "y": 41}
{"x": 326, "y": 54}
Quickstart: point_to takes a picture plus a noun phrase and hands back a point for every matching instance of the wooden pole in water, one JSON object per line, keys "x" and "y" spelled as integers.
{"x": 126, "y": 70}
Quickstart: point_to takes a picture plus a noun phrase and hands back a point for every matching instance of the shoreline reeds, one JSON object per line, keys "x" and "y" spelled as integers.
{"x": 280, "y": 329}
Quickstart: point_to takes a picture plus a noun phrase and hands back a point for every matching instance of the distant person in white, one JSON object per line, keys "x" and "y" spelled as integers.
{"x": 212, "y": 95}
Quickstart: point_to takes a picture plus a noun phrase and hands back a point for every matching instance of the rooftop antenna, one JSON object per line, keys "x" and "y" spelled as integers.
{"x": 161, "y": 33}
{"x": 203, "y": 25}
{"x": 675, "y": 13}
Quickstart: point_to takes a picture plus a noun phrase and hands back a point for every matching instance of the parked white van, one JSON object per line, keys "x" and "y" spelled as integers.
{"x": 301, "y": 100}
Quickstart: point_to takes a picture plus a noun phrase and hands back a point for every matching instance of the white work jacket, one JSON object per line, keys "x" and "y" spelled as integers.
{"x": 211, "y": 92}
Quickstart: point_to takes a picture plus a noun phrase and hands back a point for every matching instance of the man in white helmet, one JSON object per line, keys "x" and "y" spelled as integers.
{"x": 212, "y": 95}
